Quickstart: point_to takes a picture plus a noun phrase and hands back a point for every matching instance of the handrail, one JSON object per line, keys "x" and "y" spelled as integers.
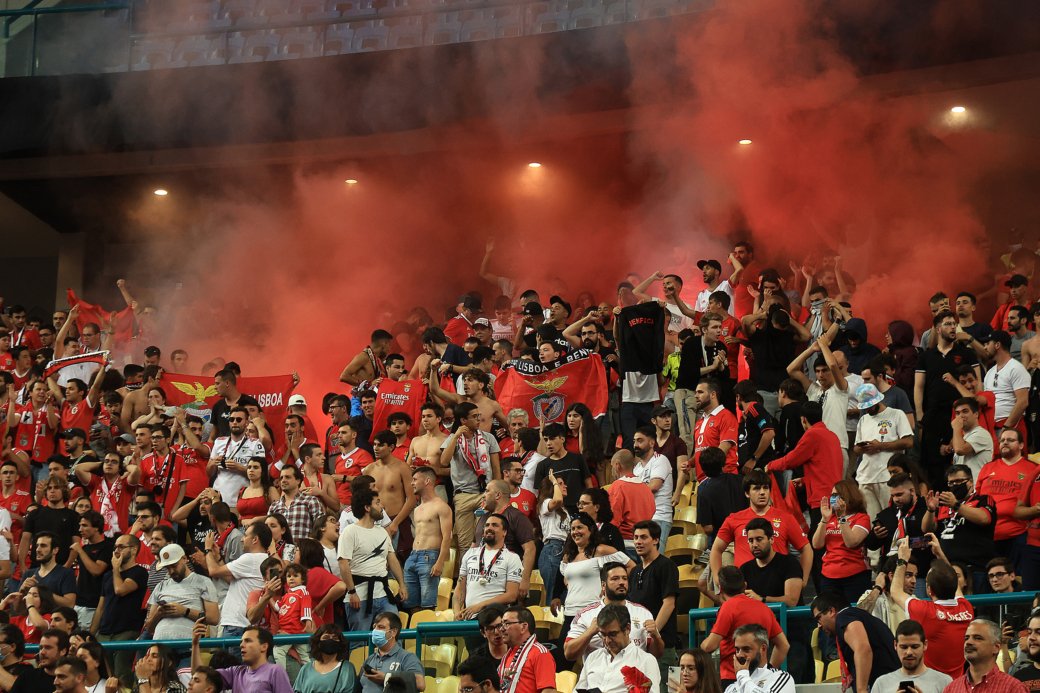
{"x": 428, "y": 629}
{"x": 63, "y": 9}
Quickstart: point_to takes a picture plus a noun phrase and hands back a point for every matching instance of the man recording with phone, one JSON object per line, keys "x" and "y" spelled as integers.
{"x": 902, "y": 518}
{"x": 912, "y": 676}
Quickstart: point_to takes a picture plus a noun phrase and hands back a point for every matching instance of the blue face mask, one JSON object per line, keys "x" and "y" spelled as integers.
{"x": 835, "y": 499}
{"x": 379, "y": 638}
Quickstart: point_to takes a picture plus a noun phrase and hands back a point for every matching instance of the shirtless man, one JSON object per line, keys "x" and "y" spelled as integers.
{"x": 474, "y": 384}
{"x": 431, "y": 546}
{"x": 393, "y": 478}
{"x": 368, "y": 364}
{"x": 426, "y": 448}
{"x": 316, "y": 483}
{"x": 135, "y": 404}
{"x": 1031, "y": 347}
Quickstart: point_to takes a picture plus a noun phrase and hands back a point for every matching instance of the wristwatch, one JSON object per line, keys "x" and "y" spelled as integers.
{"x": 352, "y": 591}
{"x": 900, "y": 562}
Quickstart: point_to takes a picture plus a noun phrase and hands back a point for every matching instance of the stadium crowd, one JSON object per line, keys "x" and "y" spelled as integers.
{"x": 751, "y": 443}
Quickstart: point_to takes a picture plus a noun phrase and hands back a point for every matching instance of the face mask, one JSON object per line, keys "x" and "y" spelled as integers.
{"x": 834, "y": 500}
{"x": 379, "y": 638}
{"x": 960, "y": 491}
{"x": 331, "y": 647}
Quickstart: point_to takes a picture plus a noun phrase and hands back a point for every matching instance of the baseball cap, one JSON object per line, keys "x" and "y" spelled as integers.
{"x": 557, "y": 299}
{"x": 127, "y": 438}
{"x": 151, "y": 351}
{"x": 1017, "y": 280}
{"x": 661, "y": 411}
{"x": 867, "y": 396}
{"x": 1000, "y": 337}
{"x": 532, "y": 308}
{"x": 168, "y": 555}
{"x": 297, "y": 400}
{"x": 74, "y": 433}
{"x": 701, "y": 264}
{"x": 482, "y": 322}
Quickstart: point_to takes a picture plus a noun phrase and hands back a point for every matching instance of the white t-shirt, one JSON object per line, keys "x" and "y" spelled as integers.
{"x": 5, "y": 526}
{"x": 499, "y": 569}
{"x": 1003, "y": 383}
{"x": 529, "y": 469}
{"x": 702, "y": 298}
{"x": 887, "y": 426}
{"x": 583, "y": 583}
{"x": 347, "y": 518}
{"x": 658, "y": 467}
{"x": 677, "y": 322}
{"x": 639, "y": 387}
{"x": 587, "y": 616}
{"x": 246, "y": 570}
{"x": 367, "y": 550}
{"x": 502, "y": 330}
{"x": 835, "y": 409}
{"x": 981, "y": 442}
{"x": 553, "y": 526}
{"x": 229, "y": 483}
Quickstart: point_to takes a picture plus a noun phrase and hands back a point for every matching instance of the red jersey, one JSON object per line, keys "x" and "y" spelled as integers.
{"x": 945, "y": 622}
{"x": 533, "y": 663}
{"x": 506, "y": 448}
{"x": 20, "y": 379}
{"x": 1031, "y": 496}
{"x": 572, "y": 444}
{"x": 524, "y": 501}
{"x": 457, "y": 330}
{"x": 145, "y": 557}
{"x": 319, "y": 582}
{"x": 79, "y": 415}
{"x": 269, "y": 616}
{"x": 401, "y": 451}
{"x": 820, "y": 451}
{"x": 1004, "y": 484}
{"x": 194, "y": 469}
{"x": 32, "y": 633}
{"x": 6, "y": 362}
{"x": 731, "y": 328}
{"x": 165, "y": 475}
{"x": 718, "y": 426}
{"x": 17, "y": 502}
{"x": 785, "y": 530}
{"x": 839, "y": 561}
{"x": 743, "y": 302}
{"x": 735, "y": 612}
{"x": 406, "y": 396}
{"x": 350, "y": 464}
{"x": 33, "y": 435}
{"x": 293, "y": 609}
{"x": 26, "y": 337}
{"x": 113, "y": 502}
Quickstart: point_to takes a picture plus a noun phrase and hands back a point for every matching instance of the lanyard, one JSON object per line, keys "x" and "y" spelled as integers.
{"x": 480, "y": 563}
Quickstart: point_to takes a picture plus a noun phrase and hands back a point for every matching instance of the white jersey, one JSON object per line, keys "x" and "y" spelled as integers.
{"x": 587, "y": 616}
{"x": 230, "y": 483}
{"x": 488, "y": 571}
{"x": 764, "y": 680}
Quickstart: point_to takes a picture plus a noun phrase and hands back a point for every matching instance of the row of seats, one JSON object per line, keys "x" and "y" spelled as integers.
{"x": 383, "y": 25}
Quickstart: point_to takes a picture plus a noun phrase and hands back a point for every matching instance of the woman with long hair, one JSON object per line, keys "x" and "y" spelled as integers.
{"x": 596, "y": 503}
{"x": 282, "y": 546}
{"x": 31, "y": 611}
{"x": 93, "y": 655}
{"x": 843, "y": 528}
{"x": 156, "y": 672}
{"x": 156, "y": 409}
{"x": 256, "y": 497}
{"x": 552, "y": 518}
{"x": 583, "y": 435}
{"x": 584, "y": 554}
{"x": 329, "y": 669}
{"x": 697, "y": 673}
{"x": 326, "y": 533}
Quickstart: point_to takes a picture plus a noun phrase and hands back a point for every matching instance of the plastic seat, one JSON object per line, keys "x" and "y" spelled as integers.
{"x": 152, "y": 53}
{"x": 194, "y": 51}
{"x": 536, "y": 592}
{"x": 491, "y": 23}
{"x": 444, "y": 589}
{"x": 300, "y": 42}
{"x": 566, "y": 681}
{"x": 819, "y": 671}
{"x": 439, "y": 658}
{"x": 254, "y": 47}
{"x": 404, "y": 32}
{"x": 370, "y": 36}
{"x": 833, "y": 671}
{"x": 447, "y": 684}
{"x": 339, "y": 39}
{"x": 358, "y": 656}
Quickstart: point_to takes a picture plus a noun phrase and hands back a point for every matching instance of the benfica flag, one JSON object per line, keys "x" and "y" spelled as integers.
{"x": 545, "y": 390}
{"x": 197, "y": 394}
{"x": 122, "y": 325}
{"x": 406, "y": 396}
{"x": 84, "y": 364}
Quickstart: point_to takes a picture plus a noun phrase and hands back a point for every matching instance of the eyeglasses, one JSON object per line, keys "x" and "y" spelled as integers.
{"x": 506, "y": 624}
{"x": 469, "y": 689}
{"x": 993, "y": 576}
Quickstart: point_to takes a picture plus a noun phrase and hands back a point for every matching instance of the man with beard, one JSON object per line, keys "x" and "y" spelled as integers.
{"x": 1004, "y": 480}
{"x": 902, "y": 518}
{"x": 425, "y": 449}
{"x": 911, "y": 646}
{"x": 981, "y": 645}
{"x": 339, "y": 412}
{"x": 177, "y": 603}
{"x": 256, "y": 672}
{"x": 368, "y": 365}
{"x": 717, "y": 428}
{"x": 963, "y": 520}
{"x": 605, "y": 667}
{"x": 488, "y": 574}
{"x": 121, "y": 615}
{"x": 226, "y": 383}
{"x": 584, "y": 637}
{"x": 54, "y": 644}
{"x": 230, "y": 454}
{"x": 1030, "y": 675}
{"x": 750, "y": 661}
{"x": 656, "y": 472}
{"x": 770, "y": 576}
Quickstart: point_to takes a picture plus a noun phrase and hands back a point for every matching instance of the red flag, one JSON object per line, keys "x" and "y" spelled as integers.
{"x": 123, "y": 326}
{"x": 791, "y": 504}
{"x": 197, "y": 394}
{"x": 546, "y": 390}
{"x": 406, "y": 396}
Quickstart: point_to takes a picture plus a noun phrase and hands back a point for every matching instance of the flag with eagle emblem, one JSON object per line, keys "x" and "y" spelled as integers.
{"x": 545, "y": 390}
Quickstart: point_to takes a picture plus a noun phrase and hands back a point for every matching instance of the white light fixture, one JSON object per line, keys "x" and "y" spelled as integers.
{"x": 534, "y": 164}
{"x": 351, "y": 181}
{"x": 958, "y": 109}
{"x": 744, "y": 141}
{"x": 161, "y": 192}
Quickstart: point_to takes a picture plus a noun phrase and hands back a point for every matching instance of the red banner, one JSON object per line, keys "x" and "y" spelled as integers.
{"x": 546, "y": 390}
{"x": 405, "y": 396}
{"x": 197, "y": 394}
{"x": 122, "y": 322}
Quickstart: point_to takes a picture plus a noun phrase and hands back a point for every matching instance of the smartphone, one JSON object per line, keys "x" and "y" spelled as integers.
{"x": 161, "y": 602}
{"x": 673, "y": 677}
{"x": 368, "y": 669}
{"x": 906, "y": 685}
{"x": 919, "y": 542}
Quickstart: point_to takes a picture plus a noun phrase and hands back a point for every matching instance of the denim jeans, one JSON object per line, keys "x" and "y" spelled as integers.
{"x": 360, "y": 619}
{"x": 422, "y": 587}
{"x": 633, "y": 415}
{"x": 233, "y": 632}
{"x": 549, "y": 565}
{"x": 666, "y": 528}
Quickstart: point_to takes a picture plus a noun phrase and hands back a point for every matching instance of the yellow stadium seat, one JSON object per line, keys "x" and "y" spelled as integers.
{"x": 814, "y": 643}
{"x": 688, "y": 572}
{"x": 449, "y": 565}
{"x": 685, "y": 519}
{"x": 833, "y": 671}
{"x": 439, "y": 658}
{"x": 819, "y": 672}
{"x": 536, "y": 592}
{"x": 423, "y": 616}
{"x": 566, "y": 681}
{"x": 447, "y": 684}
{"x": 360, "y": 654}
{"x": 444, "y": 590}
{"x": 547, "y": 625}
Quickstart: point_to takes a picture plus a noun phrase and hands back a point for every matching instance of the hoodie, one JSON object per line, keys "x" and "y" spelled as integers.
{"x": 862, "y": 354}
{"x": 904, "y": 352}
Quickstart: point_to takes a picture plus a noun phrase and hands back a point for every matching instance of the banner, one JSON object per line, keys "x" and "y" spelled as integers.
{"x": 545, "y": 390}
{"x": 406, "y": 396}
{"x": 122, "y": 322}
{"x": 82, "y": 366}
{"x": 197, "y": 394}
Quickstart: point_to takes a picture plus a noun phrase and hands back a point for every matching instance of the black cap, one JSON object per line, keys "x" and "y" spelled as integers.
{"x": 532, "y": 308}
{"x": 1017, "y": 280}
{"x": 701, "y": 264}
{"x": 566, "y": 306}
{"x": 1000, "y": 337}
{"x": 661, "y": 411}
{"x": 74, "y": 433}
{"x": 151, "y": 351}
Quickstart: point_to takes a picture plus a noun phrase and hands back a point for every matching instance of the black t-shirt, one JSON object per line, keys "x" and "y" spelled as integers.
{"x": 64, "y": 522}
{"x": 483, "y": 651}
{"x": 641, "y": 338}
{"x": 980, "y": 331}
{"x": 717, "y": 498}
{"x": 455, "y": 355}
{"x": 753, "y": 424}
{"x": 124, "y": 613}
{"x": 33, "y": 680}
{"x": 88, "y": 586}
{"x": 768, "y": 580}
{"x": 882, "y": 643}
{"x": 222, "y": 412}
{"x": 363, "y": 425}
{"x": 967, "y": 542}
{"x": 1030, "y": 676}
{"x": 611, "y": 535}
{"x": 938, "y": 394}
{"x": 651, "y": 585}
{"x": 573, "y": 469}
{"x": 771, "y": 350}
{"x": 694, "y": 356}
{"x": 789, "y": 428}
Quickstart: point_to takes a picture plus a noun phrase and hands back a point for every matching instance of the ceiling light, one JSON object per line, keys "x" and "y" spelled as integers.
{"x": 958, "y": 109}
{"x": 351, "y": 181}
{"x": 745, "y": 141}
{"x": 161, "y": 192}
{"x": 534, "y": 164}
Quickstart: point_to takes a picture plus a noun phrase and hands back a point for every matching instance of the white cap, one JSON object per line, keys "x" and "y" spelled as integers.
{"x": 170, "y": 554}
{"x": 297, "y": 400}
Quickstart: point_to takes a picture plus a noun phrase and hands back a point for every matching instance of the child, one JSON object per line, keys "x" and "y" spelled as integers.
{"x": 294, "y": 613}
